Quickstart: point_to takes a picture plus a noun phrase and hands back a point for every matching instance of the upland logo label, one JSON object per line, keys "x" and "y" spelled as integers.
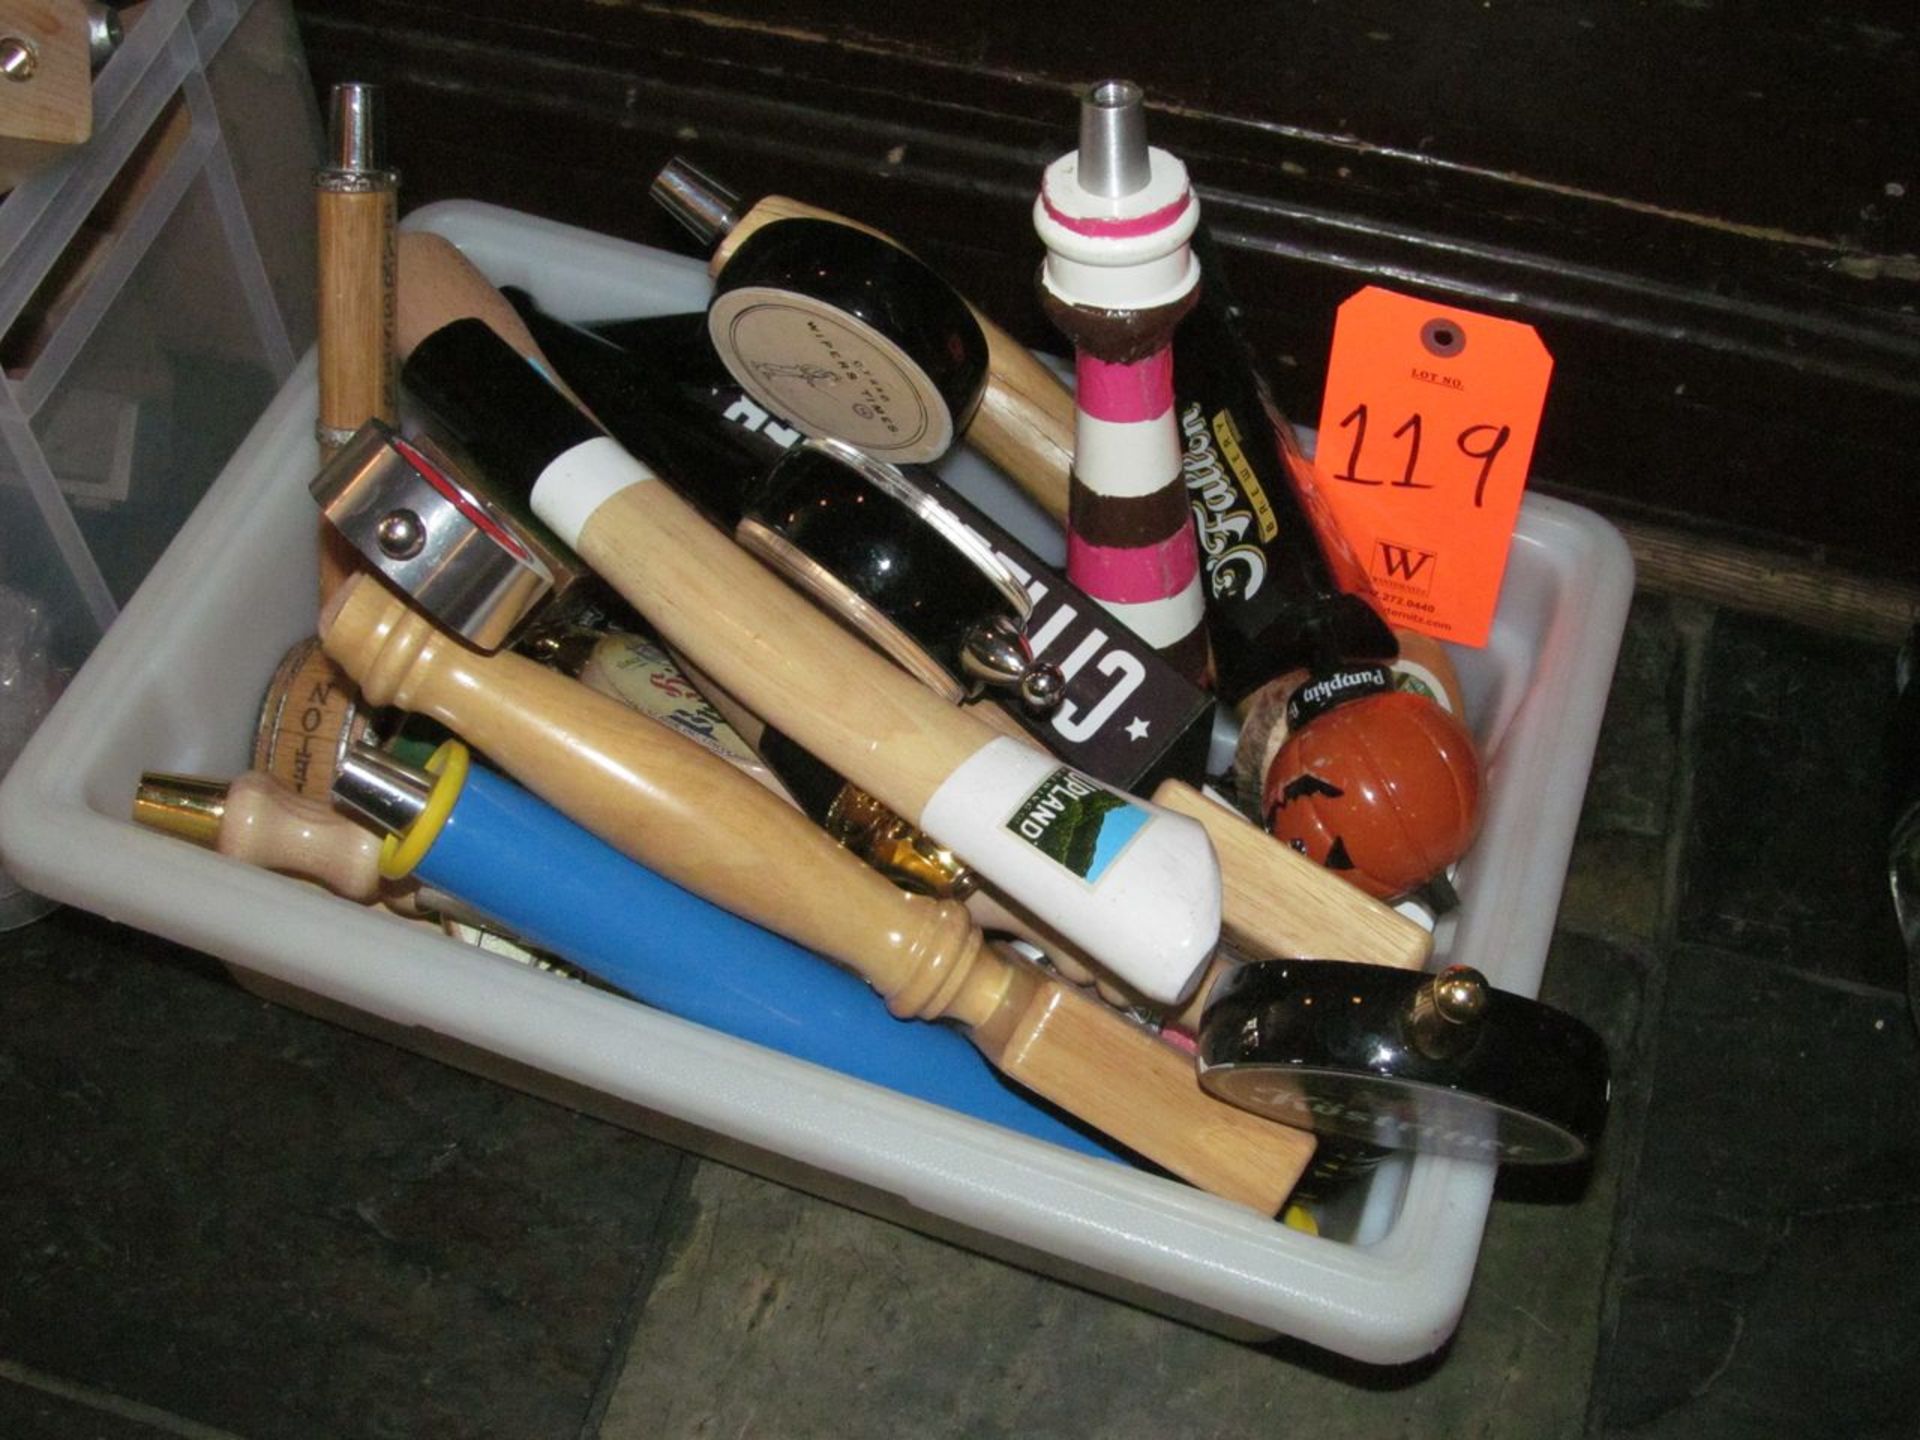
{"x": 1404, "y": 566}
{"x": 1418, "y": 680}
{"x": 1076, "y": 823}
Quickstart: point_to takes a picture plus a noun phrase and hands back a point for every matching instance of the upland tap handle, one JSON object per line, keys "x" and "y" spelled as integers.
{"x": 1025, "y": 421}
{"x": 1274, "y": 901}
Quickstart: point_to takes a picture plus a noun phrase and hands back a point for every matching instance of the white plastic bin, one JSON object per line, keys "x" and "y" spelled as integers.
{"x": 176, "y": 684}
{"x": 156, "y": 288}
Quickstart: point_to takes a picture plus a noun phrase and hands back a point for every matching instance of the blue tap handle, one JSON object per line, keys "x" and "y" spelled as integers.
{"x": 511, "y": 855}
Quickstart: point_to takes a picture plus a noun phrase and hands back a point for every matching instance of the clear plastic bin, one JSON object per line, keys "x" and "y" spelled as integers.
{"x": 176, "y": 686}
{"x": 156, "y": 288}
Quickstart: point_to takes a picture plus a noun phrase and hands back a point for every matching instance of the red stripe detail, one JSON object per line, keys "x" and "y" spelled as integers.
{"x": 1125, "y": 393}
{"x": 1134, "y": 575}
{"x": 461, "y": 500}
{"x": 1119, "y": 229}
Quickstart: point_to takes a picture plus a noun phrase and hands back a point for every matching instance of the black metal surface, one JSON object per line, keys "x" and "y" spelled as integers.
{"x": 510, "y": 421}
{"x": 874, "y": 543}
{"x": 1331, "y": 1045}
{"x": 875, "y": 283}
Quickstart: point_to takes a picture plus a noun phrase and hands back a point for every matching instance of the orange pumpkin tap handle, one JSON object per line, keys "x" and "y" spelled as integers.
{"x": 1377, "y": 784}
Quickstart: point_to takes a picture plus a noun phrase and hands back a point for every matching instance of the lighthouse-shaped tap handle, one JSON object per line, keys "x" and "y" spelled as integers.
{"x": 1116, "y": 217}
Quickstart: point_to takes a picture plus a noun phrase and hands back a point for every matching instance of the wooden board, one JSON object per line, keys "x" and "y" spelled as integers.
{"x": 51, "y": 108}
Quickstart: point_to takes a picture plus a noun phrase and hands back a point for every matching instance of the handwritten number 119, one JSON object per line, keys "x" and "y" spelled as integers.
{"x": 1477, "y": 442}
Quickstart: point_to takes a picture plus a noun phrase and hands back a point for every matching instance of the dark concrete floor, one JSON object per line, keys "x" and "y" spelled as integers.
{"x": 226, "y": 1219}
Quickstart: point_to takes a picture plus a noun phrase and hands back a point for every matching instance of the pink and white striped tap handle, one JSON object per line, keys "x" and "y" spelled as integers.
{"x": 1116, "y": 217}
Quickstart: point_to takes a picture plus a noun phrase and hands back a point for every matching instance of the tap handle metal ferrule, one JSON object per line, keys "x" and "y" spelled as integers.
{"x": 702, "y": 204}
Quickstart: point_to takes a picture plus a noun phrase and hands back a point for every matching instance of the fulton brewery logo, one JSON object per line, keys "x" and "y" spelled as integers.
{"x": 1235, "y": 567}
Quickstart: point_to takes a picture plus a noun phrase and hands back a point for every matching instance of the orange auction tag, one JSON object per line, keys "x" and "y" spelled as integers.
{"x": 1426, "y": 434}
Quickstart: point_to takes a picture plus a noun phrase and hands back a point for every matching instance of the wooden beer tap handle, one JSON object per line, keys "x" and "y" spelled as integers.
{"x": 1119, "y": 1077}
{"x": 1025, "y": 421}
{"x": 1279, "y": 903}
{"x": 651, "y": 794}
{"x": 355, "y": 325}
{"x": 255, "y": 819}
{"x": 355, "y": 203}
{"x": 665, "y": 802}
